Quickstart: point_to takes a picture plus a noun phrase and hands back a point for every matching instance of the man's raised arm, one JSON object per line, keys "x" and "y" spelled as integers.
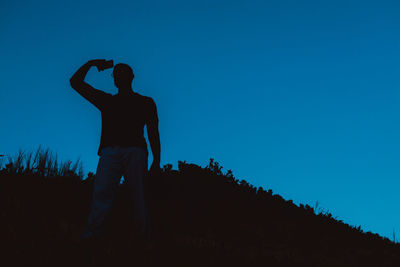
{"x": 77, "y": 82}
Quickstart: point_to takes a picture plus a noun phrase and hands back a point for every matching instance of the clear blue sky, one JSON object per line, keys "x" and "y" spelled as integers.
{"x": 301, "y": 97}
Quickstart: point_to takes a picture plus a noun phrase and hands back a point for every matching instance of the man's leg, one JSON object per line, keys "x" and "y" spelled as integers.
{"x": 135, "y": 166}
{"x": 106, "y": 181}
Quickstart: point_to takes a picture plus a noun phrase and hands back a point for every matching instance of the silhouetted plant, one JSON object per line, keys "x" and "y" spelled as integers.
{"x": 167, "y": 168}
{"x": 90, "y": 176}
{"x": 44, "y": 164}
{"x": 214, "y": 167}
{"x": 181, "y": 165}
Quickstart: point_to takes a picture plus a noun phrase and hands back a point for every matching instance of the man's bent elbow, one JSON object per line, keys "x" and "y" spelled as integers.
{"x": 75, "y": 83}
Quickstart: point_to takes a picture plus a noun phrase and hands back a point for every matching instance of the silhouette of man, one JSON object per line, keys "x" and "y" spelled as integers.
{"x": 123, "y": 148}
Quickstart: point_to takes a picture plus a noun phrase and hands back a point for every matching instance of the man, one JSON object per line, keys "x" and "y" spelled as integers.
{"x": 123, "y": 148}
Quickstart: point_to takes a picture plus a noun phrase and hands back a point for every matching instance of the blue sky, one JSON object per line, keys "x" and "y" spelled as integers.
{"x": 300, "y": 97}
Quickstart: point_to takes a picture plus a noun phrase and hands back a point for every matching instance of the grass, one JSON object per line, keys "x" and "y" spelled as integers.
{"x": 43, "y": 163}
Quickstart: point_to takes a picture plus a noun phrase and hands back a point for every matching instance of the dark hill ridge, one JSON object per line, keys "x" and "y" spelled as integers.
{"x": 200, "y": 217}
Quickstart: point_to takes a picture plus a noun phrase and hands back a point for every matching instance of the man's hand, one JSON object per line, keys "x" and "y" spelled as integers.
{"x": 101, "y": 64}
{"x": 155, "y": 168}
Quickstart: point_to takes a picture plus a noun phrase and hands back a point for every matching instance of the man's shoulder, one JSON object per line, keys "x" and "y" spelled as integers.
{"x": 149, "y": 108}
{"x": 146, "y": 99}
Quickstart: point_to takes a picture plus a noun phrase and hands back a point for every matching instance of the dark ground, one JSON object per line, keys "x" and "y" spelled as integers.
{"x": 199, "y": 217}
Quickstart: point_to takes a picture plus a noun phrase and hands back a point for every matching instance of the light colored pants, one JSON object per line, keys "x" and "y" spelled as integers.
{"x": 131, "y": 162}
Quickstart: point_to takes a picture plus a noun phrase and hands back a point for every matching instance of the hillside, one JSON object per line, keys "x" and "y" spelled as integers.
{"x": 199, "y": 215}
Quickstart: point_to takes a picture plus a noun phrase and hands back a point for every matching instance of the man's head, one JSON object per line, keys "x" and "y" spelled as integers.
{"x": 123, "y": 76}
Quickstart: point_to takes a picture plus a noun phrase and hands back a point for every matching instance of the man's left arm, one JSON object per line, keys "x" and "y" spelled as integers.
{"x": 154, "y": 137}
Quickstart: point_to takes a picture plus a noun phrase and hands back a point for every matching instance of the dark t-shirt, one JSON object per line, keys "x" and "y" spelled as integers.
{"x": 123, "y": 118}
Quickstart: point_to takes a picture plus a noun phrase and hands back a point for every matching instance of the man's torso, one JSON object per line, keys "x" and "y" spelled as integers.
{"x": 123, "y": 120}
